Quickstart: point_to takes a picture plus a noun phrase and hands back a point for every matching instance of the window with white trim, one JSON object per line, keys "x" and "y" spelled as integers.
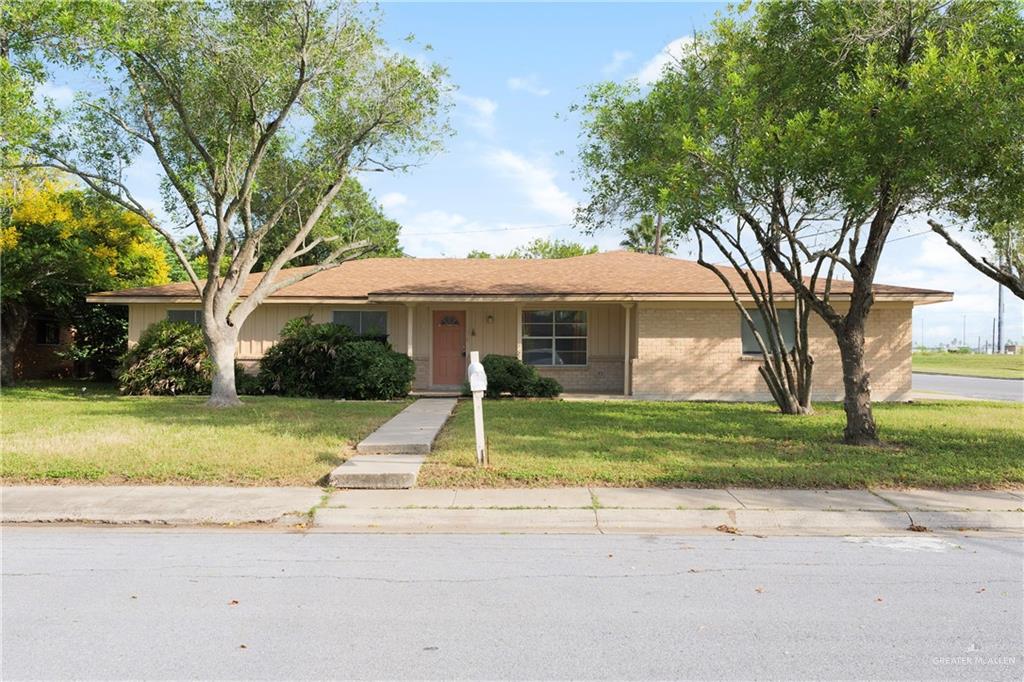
{"x": 363, "y": 322}
{"x": 555, "y": 338}
{"x": 190, "y": 316}
{"x": 787, "y": 325}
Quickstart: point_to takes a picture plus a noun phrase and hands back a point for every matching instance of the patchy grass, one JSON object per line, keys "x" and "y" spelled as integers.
{"x": 58, "y": 433}
{"x": 970, "y": 364}
{"x": 550, "y": 443}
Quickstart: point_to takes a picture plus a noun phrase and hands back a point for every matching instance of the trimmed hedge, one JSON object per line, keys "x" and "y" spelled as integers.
{"x": 328, "y": 361}
{"x": 171, "y": 359}
{"x": 506, "y": 374}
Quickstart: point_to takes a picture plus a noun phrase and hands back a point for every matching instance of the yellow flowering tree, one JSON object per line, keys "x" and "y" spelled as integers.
{"x": 58, "y": 243}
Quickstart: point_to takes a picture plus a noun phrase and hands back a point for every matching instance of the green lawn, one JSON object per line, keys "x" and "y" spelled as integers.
{"x": 970, "y": 365}
{"x": 551, "y": 443}
{"x": 58, "y": 433}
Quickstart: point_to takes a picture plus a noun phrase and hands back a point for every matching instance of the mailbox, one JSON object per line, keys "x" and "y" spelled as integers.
{"x": 477, "y": 376}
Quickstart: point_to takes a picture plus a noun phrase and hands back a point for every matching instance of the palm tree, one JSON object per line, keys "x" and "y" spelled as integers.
{"x": 643, "y": 237}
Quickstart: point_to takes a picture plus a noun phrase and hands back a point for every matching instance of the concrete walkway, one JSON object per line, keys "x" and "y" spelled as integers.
{"x": 391, "y": 456}
{"x": 528, "y": 510}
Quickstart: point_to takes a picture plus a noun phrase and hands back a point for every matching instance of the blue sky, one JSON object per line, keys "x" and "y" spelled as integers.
{"x": 505, "y": 177}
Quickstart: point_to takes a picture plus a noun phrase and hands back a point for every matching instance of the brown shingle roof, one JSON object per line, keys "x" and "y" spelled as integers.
{"x": 611, "y": 273}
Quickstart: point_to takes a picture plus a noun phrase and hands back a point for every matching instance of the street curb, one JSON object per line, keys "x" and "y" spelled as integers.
{"x": 597, "y": 521}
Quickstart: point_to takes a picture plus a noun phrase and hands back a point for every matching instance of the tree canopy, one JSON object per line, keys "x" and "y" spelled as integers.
{"x": 812, "y": 130}
{"x": 58, "y": 244}
{"x": 541, "y": 248}
{"x": 258, "y": 115}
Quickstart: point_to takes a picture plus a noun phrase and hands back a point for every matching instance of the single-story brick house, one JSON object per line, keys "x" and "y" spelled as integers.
{"x": 615, "y": 322}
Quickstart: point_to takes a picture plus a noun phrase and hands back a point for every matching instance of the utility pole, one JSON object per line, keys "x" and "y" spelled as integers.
{"x": 657, "y": 239}
{"x": 994, "y": 346}
{"x": 999, "y": 327}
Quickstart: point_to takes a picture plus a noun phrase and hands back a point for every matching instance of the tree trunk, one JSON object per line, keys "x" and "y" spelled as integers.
{"x": 220, "y": 343}
{"x": 860, "y": 422}
{"x": 12, "y": 326}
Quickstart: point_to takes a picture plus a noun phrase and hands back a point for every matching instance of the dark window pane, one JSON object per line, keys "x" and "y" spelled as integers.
{"x": 347, "y": 318}
{"x": 191, "y": 316}
{"x": 374, "y": 323}
{"x": 536, "y": 316}
{"x": 571, "y": 329}
{"x": 787, "y": 325}
{"x": 47, "y": 333}
{"x": 537, "y": 329}
{"x": 571, "y": 344}
{"x": 571, "y": 358}
{"x": 570, "y": 316}
{"x": 537, "y": 352}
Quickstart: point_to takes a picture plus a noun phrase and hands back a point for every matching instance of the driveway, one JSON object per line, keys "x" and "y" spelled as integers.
{"x": 970, "y": 387}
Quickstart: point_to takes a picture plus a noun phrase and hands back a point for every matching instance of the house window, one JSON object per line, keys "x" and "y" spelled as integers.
{"x": 363, "y": 322}
{"x": 191, "y": 316}
{"x": 555, "y": 337}
{"x": 47, "y": 333}
{"x": 787, "y": 324}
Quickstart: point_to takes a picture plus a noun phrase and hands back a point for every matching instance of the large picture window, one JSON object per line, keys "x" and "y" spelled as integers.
{"x": 363, "y": 322}
{"x": 191, "y": 316}
{"x": 555, "y": 337}
{"x": 787, "y": 324}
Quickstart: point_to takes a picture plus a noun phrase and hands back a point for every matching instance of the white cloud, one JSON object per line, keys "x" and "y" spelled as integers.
{"x": 444, "y": 233}
{"x": 61, "y": 95}
{"x": 619, "y": 59}
{"x": 536, "y": 182}
{"x": 478, "y": 112}
{"x": 530, "y": 84}
{"x": 652, "y": 70}
{"x": 393, "y": 200}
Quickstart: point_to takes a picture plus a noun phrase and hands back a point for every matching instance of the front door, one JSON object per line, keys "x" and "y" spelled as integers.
{"x": 449, "y": 347}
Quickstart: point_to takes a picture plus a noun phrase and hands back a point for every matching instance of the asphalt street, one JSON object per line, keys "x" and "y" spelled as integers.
{"x": 114, "y": 603}
{"x": 971, "y": 387}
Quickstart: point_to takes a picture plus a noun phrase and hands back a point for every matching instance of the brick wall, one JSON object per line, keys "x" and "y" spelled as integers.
{"x": 695, "y": 353}
{"x": 601, "y": 375}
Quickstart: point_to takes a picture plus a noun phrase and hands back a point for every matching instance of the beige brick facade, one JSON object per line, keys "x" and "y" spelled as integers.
{"x": 680, "y": 351}
{"x": 694, "y": 352}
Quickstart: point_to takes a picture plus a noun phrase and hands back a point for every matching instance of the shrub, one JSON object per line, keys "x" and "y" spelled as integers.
{"x": 506, "y": 374}
{"x": 328, "y": 361}
{"x": 169, "y": 359}
{"x": 370, "y": 370}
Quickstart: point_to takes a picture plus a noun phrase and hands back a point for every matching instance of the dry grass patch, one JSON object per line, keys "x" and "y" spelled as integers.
{"x": 58, "y": 433}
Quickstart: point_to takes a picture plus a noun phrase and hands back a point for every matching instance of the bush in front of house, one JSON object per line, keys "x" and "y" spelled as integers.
{"x": 506, "y": 374}
{"x": 171, "y": 359}
{"x": 329, "y": 361}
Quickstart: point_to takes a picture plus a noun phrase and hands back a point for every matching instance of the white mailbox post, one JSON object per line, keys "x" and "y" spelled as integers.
{"x": 478, "y": 384}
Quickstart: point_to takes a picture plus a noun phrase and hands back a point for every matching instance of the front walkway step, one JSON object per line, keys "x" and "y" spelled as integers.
{"x": 411, "y": 431}
{"x": 391, "y": 456}
{"x": 378, "y": 472}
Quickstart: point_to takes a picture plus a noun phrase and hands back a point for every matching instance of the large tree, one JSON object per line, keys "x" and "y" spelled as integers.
{"x": 627, "y": 172}
{"x": 238, "y": 101}
{"x": 822, "y": 126}
{"x": 57, "y": 244}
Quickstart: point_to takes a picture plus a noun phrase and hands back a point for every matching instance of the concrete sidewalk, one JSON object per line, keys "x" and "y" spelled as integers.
{"x": 157, "y": 504}
{"x": 665, "y": 510}
{"x": 526, "y": 510}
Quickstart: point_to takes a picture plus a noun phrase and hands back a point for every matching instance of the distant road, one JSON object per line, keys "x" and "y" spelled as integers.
{"x": 971, "y": 387}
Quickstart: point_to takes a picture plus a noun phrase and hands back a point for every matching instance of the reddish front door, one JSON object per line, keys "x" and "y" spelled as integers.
{"x": 449, "y": 347}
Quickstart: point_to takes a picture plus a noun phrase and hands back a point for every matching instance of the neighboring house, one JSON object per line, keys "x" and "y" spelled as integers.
{"x": 616, "y": 322}
{"x": 40, "y": 348}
